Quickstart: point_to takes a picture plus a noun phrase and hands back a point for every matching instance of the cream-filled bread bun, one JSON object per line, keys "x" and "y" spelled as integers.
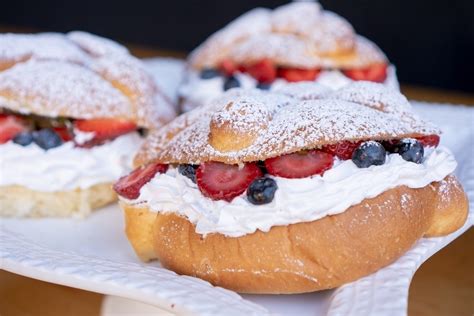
{"x": 293, "y": 191}
{"x": 73, "y": 109}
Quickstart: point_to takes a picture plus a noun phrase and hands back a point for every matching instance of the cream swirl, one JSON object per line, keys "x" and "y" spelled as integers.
{"x": 197, "y": 91}
{"x": 66, "y": 167}
{"x": 296, "y": 200}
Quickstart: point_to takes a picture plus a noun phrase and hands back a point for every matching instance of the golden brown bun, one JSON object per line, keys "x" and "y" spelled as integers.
{"x": 19, "y": 201}
{"x": 248, "y": 125}
{"x": 78, "y": 75}
{"x": 302, "y": 257}
{"x": 299, "y": 34}
{"x": 449, "y": 201}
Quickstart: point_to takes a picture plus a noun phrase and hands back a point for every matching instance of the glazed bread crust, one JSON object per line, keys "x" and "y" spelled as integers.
{"x": 20, "y": 201}
{"x": 302, "y": 257}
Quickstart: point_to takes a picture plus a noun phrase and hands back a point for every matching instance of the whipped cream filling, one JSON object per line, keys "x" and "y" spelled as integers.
{"x": 197, "y": 91}
{"x": 67, "y": 167}
{"x": 296, "y": 200}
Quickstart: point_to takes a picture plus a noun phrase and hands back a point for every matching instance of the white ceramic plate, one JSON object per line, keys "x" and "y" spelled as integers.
{"x": 94, "y": 255}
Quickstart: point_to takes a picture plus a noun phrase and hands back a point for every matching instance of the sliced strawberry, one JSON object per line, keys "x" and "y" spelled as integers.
{"x": 129, "y": 186}
{"x": 300, "y": 165}
{"x": 429, "y": 141}
{"x": 342, "y": 150}
{"x": 105, "y": 128}
{"x": 219, "y": 181}
{"x": 64, "y": 133}
{"x": 10, "y": 126}
{"x": 298, "y": 74}
{"x": 228, "y": 67}
{"x": 263, "y": 71}
{"x": 375, "y": 73}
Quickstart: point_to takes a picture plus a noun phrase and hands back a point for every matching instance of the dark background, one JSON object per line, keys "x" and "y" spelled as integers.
{"x": 431, "y": 42}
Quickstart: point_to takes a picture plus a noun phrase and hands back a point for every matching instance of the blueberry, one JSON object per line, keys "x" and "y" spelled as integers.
{"x": 23, "y": 138}
{"x": 368, "y": 154}
{"x": 261, "y": 191}
{"x": 231, "y": 82}
{"x": 264, "y": 86}
{"x": 188, "y": 171}
{"x": 209, "y": 73}
{"x": 410, "y": 149}
{"x": 47, "y": 138}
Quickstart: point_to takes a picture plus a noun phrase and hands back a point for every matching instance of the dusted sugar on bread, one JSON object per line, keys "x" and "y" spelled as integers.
{"x": 298, "y": 34}
{"x": 271, "y": 123}
{"x": 78, "y": 75}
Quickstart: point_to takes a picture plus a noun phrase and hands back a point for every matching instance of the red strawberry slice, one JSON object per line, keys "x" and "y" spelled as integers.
{"x": 129, "y": 186}
{"x": 298, "y": 74}
{"x": 10, "y": 126}
{"x": 342, "y": 150}
{"x": 228, "y": 67}
{"x": 264, "y": 71}
{"x": 219, "y": 181}
{"x": 64, "y": 133}
{"x": 429, "y": 141}
{"x": 105, "y": 128}
{"x": 375, "y": 73}
{"x": 300, "y": 165}
{"x": 390, "y": 145}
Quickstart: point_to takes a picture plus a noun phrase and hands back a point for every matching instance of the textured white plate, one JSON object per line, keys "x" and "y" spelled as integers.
{"x": 93, "y": 254}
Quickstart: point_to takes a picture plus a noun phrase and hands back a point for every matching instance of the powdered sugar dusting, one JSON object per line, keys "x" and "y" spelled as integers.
{"x": 29, "y": 86}
{"x": 95, "y": 45}
{"x": 290, "y": 124}
{"x": 375, "y": 96}
{"x": 78, "y": 75}
{"x": 298, "y": 34}
{"x": 40, "y": 46}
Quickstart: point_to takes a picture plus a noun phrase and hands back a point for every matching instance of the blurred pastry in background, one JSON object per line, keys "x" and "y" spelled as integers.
{"x": 73, "y": 110}
{"x": 267, "y": 48}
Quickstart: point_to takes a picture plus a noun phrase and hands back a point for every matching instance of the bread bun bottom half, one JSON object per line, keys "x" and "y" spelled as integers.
{"x": 20, "y": 201}
{"x": 302, "y": 257}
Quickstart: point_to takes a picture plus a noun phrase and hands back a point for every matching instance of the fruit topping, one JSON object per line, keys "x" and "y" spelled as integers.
{"x": 47, "y": 138}
{"x": 23, "y": 138}
{"x": 429, "y": 141}
{"x": 209, "y": 73}
{"x": 64, "y": 133}
{"x": 342, "y": 150}
{"x": 263, "y": 71}
{"x": 105, "y": 129}
{"x": 368, "y": 154}
{"x": 10, "y": 126}
{"x": 129, "y": 186}
{"x": 375, "y": 73}
{"x": 297, "y": 74}
{"x": 410, "y": 149}
{"x": 300, "y": 165}
{"x": 188, "y": 171}
{"x": 390, "y": 145}
{"x": 219, "y": 181}
{"x": 261, "y": 191}
{"x": 231, "y": 82}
